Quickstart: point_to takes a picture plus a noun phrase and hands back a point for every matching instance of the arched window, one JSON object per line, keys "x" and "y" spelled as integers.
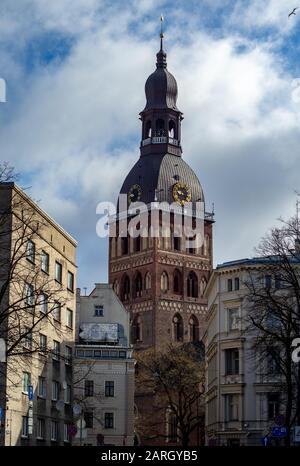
{"x": 137, "y": 244}
{"x": 192, "y": 285}
{"x": 136, "y": 329}
{"x": 124, "y": 246}
{"x": 160, "y": 127}
{"x": 177, "y": 243}
{"x": 138, "y": 285}
{"x": 177, "y": 281}
{"x": 203, "y": 284}
{"x": 116, "y": 287}
{"x": 178, "y": 327}
{"x": 164, "y": 281}
{"x": 125, "y": 288}
{"x": 206, "y": 245}
{"x": 194, "y": 328}
{"x": 172, "y": 127}
{"x": 148, "y": 129}
{"x": 148, "y": 281}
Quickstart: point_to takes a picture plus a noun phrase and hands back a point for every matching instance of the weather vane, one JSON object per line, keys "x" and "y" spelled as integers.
{"x": 161, "y": 26}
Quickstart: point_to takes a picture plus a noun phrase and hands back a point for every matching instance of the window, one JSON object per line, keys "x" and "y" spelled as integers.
{"x": 273, "y": 405}
{"x": 41, "y": 428}
{"x": 138, "y": 285}
{"x": 25, "y": 426}
{"x": 98, "y": 310}
{"x": 233, "y": 319}
{"x": 177, "y": 282}
{"x": 148, "y": 281}
{"x": 232, "y": 407}
{"x": 124, "y": 246}
{"x": 229, "y": 284}
{"x": 58, "y": 272}
{"x": 55, "y": 390}
{"x": 194, "y": 328}
{"x": 273, "y": 368}
{"x": 43, "y": 343}
{"x": 109, "y": 388}
{"x": 68, "y": 355}
{"x": 70, "y": 281}
{"x": 236, "y": 283}
{"x": 54, "y": 431}
{"x": 136, "y": 329}
{"x": 122, "y": 354}
{"x": 192, "y": 285}
{"x": 67, "y": 394}
{"x": 232, "y": 361}
{"x": 125, "y": 288}
{"x": 43, "y": 301}
{"x": 268, "y": 281}
{"x": 137, "y": 244}
{"x": 203, "y": 284}
{"x": 164, "y": 282}
{"x": 42, "y": 387}
{"x": 109, "y": 420}
{"x": 67, "y": 436}
{"x": 69, "y": 318}
{"x": 30, "y": 251}
{"x": 27, "y": 339}
{"x": 88, "y": 388}
{"x": 172, "y": 427}
{"x": 278, "y": 281}
{"x": 45, "y": 262}
{"x": 26, "y": 381}
{"x": 57, "y": 311}
{"x": 56, "y": 350}
{"x": 29, "y": 295}
{"x": 89, "y": 419}
{"x": 178, "y": 327}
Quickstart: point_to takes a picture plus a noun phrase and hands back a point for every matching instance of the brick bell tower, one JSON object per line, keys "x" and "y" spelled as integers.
{"x": 160, "y": 280}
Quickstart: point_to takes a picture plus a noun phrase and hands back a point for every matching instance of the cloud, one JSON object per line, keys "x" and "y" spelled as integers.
{"x": 71, "y": 123}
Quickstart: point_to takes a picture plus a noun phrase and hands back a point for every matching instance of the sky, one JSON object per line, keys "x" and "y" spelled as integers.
{"x": 75, "y": 72}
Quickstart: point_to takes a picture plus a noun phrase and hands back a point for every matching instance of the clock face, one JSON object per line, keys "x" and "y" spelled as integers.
{"x": 135, "y": 193}
{"x": 182, "y": 193}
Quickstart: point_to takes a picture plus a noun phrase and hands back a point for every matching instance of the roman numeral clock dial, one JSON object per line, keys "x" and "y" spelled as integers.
{"x": 182, "y": 193}
{"x": 134, "y": 194}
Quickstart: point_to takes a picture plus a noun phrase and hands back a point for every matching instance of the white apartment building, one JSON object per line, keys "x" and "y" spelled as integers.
{"x": 104, "y": 370}
{"x": 241, "y": 400}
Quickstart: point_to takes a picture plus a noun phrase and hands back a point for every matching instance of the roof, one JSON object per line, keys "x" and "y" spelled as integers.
{"x": 267, "y": 260}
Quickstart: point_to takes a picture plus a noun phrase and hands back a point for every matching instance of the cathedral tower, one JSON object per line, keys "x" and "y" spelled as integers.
{"x": 161, "y": 280}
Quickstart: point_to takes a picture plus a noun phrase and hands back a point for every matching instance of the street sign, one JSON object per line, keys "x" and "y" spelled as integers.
{"x": 279, "y": 431}
{"x": 30, "y": 392}
{"x": 30, "y": 420}
{"x": 297, "y": 434}
{"x": 266, "y": 441}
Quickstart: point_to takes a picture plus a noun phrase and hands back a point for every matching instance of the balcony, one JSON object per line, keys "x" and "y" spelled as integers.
{"x": 160, "y": 140}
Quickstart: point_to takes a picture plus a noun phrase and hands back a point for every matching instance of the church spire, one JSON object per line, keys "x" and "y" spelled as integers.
{"x": 161, "y": 55}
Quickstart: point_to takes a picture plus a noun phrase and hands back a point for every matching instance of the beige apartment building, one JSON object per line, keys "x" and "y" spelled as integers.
{"x": 103, "y": 370}
{"x": 242, "y": 396}
{"x": 37, "y": 315}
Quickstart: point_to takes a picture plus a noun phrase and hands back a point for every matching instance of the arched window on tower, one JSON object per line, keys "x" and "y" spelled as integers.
{"x": 178, "y": 327}
{"x": 137, "y": 244}
{"x": 138, "y": 285}
{"x": 194, "y": 328}
{"x": 164, "y": 282}
{"x": 192, "y": 285}
{"x": 124, "y": 246}
{"x": 160, "y": 127}
{"x": 203, "y": 284}
{"x": 136, "y": 329}
{"x": 116, "y": 287}
{"x": 172, "y": 128}
{"x": 148, "y": 129}
{"x": 177, "y": 281}
{"x": 148, "y": 281}
{"x": 125, "y": 288}
{"x": 177, "y": 243}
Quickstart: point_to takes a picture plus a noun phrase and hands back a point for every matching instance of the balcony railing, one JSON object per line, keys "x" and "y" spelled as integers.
{"x": 160, "y": 140}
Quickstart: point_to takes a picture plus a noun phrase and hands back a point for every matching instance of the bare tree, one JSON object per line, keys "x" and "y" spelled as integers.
{"x": 171, "y": 381}
{"x": 273, "y": 317}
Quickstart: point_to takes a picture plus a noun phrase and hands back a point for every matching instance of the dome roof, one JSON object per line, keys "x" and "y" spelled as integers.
{"x": 159, "y": 173}
{"x": 161, "y": 87}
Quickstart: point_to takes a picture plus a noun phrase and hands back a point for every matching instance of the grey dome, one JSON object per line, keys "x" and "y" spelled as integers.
{"x": 161, "y": 172}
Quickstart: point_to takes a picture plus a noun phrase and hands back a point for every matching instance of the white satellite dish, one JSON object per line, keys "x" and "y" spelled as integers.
{"x": 76, "y": 409}
{"x": 64, "y": 385}
{"x": 60, "y": 404}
